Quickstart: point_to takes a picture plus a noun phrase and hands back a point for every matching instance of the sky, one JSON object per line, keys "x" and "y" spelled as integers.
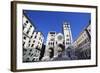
{"x": 46, "y": 21}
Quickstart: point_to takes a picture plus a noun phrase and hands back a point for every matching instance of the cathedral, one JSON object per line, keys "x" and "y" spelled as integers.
{"x": 57, "y": 42}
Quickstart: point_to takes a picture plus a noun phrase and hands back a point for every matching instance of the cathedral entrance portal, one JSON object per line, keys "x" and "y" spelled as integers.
{"x": 51, "y": 52}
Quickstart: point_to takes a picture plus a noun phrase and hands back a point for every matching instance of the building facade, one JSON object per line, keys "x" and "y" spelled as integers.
{"x": 50, "y": 46}
{"x": 36, "y": 40}
{"x": 28, "y": 28}
{"x": 89, "y": 29}
{"x": 82, "y": 44}
{"x": 32, "y": 41}
{"x": 25, "y": 41}
{"x": 59, "y": 39}
{"x": 31, "y": 55}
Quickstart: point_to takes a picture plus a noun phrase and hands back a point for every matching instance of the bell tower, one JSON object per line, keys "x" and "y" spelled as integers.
{"x": 67, "y": 34}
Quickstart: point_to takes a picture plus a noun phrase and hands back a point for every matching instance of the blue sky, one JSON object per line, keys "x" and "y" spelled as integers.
{"x": 46, "y": 21}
